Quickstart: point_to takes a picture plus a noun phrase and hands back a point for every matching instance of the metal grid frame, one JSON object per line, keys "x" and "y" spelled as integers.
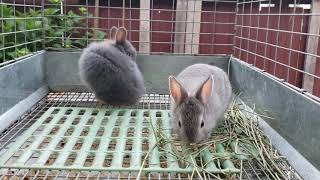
{"x": 250, "y": 169}
{"x": 186, "y": 28}
{"x": 125, "y": 12}
{"x": 263, "y": 40}
{"x": 21, "y": 32}
{"x": 130, "y": 139}
{"x": 242, "y": 51}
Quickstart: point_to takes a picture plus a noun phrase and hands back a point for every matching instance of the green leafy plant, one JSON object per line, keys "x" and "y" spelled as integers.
{"x": 25, "y": 32}
{"x": 62, "y": 31}
{"x": 21, "y": 34}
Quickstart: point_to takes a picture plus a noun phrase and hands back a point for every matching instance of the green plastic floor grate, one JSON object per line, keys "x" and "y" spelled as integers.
{"x": 93, "y": 139}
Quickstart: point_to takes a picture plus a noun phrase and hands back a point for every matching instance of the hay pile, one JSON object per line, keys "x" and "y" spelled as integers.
{"x": 241, "y": 137}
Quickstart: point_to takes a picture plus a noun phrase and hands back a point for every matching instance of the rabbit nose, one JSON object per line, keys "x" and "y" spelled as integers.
{"x": 191, "y": 135}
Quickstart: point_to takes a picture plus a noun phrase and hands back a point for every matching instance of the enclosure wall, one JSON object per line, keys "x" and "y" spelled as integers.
{"x": 278, "y": 36}
{"x": 21, "y": 29}
{"x": 282, "y": 38}
{"x": 291, "y": 113}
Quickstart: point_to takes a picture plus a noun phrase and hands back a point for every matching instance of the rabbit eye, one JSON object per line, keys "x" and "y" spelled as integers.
{"x": 202, "y": 124}
{"x": 179, "y": 124}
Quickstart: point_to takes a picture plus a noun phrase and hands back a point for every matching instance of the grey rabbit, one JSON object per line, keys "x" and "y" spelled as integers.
{"x": 109, "y": 69}
{"x": 200, "y": 95}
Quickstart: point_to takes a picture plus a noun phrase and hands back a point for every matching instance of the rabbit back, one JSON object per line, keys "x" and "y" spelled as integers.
{"x": 112, "y": 75}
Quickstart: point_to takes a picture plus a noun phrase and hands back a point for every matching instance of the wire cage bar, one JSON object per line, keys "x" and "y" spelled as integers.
{"x": 249, "y": 169}
{"x": 280, "y": 37}
{"x": 21, "y": 31}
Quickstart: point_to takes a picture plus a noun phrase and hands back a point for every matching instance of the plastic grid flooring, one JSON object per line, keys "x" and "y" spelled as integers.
{"x": 68, "y": 138}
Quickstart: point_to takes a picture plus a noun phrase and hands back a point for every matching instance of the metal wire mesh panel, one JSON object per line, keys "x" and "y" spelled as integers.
{"x": 154, "y": 26}
{"x": 20, "y": 30}
{"x": 282, "y": 38}
{"x": 103, "y": 139}
{"x": 48, "y": 133}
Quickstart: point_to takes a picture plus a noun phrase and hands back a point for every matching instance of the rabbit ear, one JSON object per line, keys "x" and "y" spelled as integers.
{"x": 121, "y": 35}
{"x": 113, "y": 32}
{"x": 176, "y": 90}
{"x": 205, "y": 91}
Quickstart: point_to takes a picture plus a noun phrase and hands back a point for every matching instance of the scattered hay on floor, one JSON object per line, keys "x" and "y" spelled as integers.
{"x": 242, "y": 139}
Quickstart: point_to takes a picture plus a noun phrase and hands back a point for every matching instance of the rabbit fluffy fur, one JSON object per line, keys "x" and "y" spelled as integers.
{"x": 200, "y": 95}
{"x": 109, "y": 70}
